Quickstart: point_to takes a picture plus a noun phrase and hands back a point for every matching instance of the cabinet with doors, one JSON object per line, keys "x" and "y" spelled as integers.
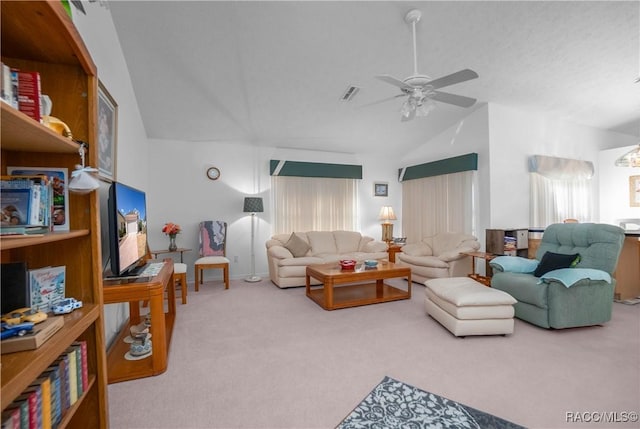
{"x": 39, "y": 36}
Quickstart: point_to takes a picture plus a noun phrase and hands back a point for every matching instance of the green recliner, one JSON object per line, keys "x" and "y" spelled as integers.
{"x": 548, "y": 302}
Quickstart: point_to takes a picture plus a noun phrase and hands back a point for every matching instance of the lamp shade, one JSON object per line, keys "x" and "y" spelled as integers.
{"x": 387, "y": 214}
{"x": 253, "y": 205}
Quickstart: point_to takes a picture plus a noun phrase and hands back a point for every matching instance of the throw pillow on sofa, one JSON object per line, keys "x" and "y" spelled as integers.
{"x": 297, "y": 246}
{"x": 554, "y": 261}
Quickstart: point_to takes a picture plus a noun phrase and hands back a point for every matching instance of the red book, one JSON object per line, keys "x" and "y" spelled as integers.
{"x": 29, "y": 94}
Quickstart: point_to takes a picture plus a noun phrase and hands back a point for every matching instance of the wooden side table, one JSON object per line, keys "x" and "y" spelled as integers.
{"x": 180, "y": 250}
{"x": 392, "y": 250}
{"x": 485, "y": 280}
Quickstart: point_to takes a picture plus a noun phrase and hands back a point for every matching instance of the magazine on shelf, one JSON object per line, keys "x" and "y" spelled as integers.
{"x": 58, "y": 181}
{"x": 46, "y": 287}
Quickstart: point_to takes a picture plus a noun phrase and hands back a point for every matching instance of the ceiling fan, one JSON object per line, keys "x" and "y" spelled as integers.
{"x": 420, "y": 89}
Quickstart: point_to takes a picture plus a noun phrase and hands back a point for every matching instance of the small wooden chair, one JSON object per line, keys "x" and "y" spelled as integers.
{"x": 212, "y": 247}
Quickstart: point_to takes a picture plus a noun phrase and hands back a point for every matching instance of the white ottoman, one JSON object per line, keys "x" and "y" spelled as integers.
{"x": 466, "y": 307}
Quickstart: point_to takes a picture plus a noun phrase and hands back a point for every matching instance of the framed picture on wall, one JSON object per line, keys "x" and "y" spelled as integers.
{"x": 107, "y": 133}
{"x": 634, "y": 191}
{"x": 380, "y": 190}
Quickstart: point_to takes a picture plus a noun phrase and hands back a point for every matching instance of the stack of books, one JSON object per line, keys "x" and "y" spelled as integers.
{"x": 44, "y": 403}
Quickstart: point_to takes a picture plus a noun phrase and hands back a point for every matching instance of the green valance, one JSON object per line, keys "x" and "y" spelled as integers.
{"x": 314, "y": 169}
{"x": 456, "y": 164}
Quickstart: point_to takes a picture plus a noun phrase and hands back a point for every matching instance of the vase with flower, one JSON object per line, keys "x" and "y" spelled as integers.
{"x": 172, "y": 229}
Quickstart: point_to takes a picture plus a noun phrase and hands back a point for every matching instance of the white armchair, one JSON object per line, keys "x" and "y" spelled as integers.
{"x": 439, "y": 256}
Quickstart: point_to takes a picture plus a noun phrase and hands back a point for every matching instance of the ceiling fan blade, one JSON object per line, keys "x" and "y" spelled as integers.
{"x": 384, "y": 100}
{"x": 458, "y": 100}
{"x": 453, "y": 78}
{"x": 396, "y": 82}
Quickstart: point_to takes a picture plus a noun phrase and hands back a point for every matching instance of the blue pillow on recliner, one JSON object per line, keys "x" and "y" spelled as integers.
{"x": 554, "y": 261}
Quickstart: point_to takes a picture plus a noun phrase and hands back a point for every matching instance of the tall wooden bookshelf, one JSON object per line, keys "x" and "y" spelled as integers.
{"x": 39, "y": 36}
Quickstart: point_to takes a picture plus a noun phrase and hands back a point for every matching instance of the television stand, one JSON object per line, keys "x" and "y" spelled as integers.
{"x": 134, "y": 291}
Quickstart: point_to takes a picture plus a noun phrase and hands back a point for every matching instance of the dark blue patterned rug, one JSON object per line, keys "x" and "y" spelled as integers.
{"x": 394, "y": 404}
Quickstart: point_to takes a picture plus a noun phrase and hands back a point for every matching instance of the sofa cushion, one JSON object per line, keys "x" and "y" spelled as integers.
{"x": 554, "y": 261}
{"x": 322, "y": 242}
{"x": 425, "y": 261}
{"x": 297, "y": 246}
{"x": 417, "y": 249}
{"x": 347, "y": 241}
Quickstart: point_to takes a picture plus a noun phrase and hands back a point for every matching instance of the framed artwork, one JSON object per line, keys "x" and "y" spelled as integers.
{"x": 634, "y": 191}
{"x": 107, "y": 134}
{"x": 380, "y": 189}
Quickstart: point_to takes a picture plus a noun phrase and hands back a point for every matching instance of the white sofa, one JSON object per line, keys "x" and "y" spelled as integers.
{"x": 289, "y": 255}
{"x": 438, "y": 256}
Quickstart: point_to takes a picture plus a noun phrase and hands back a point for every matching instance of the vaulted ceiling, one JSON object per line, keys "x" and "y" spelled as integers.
{"x": 272, "y": 73}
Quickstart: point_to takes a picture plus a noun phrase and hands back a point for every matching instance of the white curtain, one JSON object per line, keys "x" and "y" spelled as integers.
{"x": 561, "y": 189}
{"x": 554, "y": 200}
{"x": 314, "y": 204}
{"x": 438, "y": 204}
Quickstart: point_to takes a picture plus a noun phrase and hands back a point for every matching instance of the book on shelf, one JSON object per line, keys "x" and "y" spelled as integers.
{"x": 73, "y": 375}
{"x": 82, "y": 345}
{"x": 25, "y": 201}
{"x": 57, "y": 182}
{"x": 11, "y": 418}
{"x": 43, "y": 384}
{"x": 63, "y": 371}
{"x": 10, "y": 86}
{"x": 29, "y": 93}
{"x": 15, "y": 289}
{"x": 46, "y": 287}
{"x": 22, "y": 407}
{"x": 53, "y": 373}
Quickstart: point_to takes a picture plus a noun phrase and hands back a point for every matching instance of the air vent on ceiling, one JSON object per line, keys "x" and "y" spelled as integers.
{"x": 350, "y": 93}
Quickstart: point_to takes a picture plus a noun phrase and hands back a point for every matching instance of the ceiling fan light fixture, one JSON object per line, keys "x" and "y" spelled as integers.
{"x": 424, "y": 108}
{"x": 629, "y": 159}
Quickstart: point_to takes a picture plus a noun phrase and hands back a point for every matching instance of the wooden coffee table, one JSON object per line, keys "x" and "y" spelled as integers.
{"x": 361, "y": 286}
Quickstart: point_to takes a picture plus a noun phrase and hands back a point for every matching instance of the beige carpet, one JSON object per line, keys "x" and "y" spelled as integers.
{"x": 256, "y": 356}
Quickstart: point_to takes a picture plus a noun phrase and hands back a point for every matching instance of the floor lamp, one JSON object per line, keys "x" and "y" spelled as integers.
{"x": 253, "y": 205}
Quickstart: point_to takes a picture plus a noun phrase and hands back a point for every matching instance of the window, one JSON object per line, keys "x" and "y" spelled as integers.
{"x": 314, "y": 204}
{"x": 438, "y": 204}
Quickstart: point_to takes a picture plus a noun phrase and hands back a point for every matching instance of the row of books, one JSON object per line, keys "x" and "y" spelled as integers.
{"x": 39, "y": 288}
{"x": 46, "y": 400}
{"x": 21, "y": 90}
{"x": 16, "y": 213}
{"x": 27, "y": 204}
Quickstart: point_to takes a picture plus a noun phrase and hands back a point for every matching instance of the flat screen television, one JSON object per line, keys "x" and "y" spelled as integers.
{"x": 127, "y": 217}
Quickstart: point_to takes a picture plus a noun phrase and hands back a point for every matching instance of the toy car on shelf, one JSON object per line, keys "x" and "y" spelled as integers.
{"x": 66, "y": 306}
{"x": 24, "y": 315}
{"x": 19, "y": 329}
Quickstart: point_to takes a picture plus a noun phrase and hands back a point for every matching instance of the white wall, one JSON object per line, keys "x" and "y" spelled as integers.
{"x": 517, "y": 134}
{"x": 99, "y": 35}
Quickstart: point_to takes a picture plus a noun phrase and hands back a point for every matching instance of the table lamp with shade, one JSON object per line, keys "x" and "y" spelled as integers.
{"x": 253, "y": 205}
{"x": 387, "y": 215}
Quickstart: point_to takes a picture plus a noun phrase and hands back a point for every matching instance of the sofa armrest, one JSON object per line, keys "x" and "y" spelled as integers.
{"x": 375, "y": 247}
{"x": 279, "y": 252}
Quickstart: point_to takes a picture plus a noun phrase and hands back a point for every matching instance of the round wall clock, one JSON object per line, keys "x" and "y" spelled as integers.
{"x": 213, "y": 173}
